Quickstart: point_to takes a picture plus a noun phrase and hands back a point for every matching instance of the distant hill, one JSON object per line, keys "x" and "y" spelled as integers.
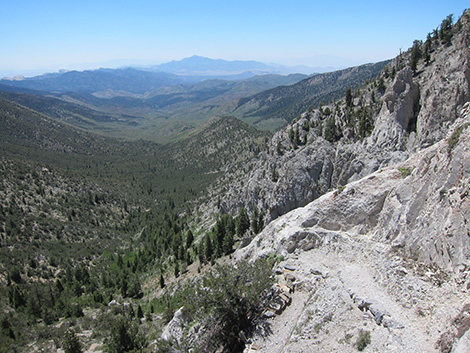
{"x": 160, "y": 106}
{"x": 139, "y": 81}
{"x": 129, "y": 80}
{"x": 159, "y": 115}
{"x": 201, "y": 65}
{"x": 284, "y": 103}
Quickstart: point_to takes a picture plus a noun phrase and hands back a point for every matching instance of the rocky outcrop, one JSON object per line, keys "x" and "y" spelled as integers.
{"x": 394, "y": 247}
{"x": 444, "y": 86}
{"x": 173, "y": 331}
{"x": 399, "y": 111}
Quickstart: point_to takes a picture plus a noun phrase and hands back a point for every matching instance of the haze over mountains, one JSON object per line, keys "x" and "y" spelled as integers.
{"x": 198, "y": 65}
{"x": 181, "y": 95}
{"x": 204, "y": 68}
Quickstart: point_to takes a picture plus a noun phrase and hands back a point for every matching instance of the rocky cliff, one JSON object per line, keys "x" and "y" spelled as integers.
{"x": 384, "y": 258}
{"x": 400, "y": 112}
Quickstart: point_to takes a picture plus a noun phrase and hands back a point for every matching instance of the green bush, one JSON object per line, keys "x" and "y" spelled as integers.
{"x": 228, "y": 300}
{"x": 70, "y": 343}
{"x": 404, "y": 171}
{"x": 454, "y": 138}
{"x": 363, "y": 340}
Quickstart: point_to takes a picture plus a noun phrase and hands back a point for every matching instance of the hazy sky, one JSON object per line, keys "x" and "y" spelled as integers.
{"x": 40, "y": 35}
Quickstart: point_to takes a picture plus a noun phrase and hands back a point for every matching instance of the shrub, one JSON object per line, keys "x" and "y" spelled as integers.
{"x": 363, "y": 340}
{"x": 454, "y": 138}
{"x": 227, "y": 300}
{"x": 71, "y": 344}
{"x": 404, "y": 171}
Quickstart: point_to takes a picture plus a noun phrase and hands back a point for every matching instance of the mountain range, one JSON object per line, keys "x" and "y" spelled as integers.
{"x": 134, "y": 103}
{"x": 199, "y": 65}
{"x": 194, "y": 69}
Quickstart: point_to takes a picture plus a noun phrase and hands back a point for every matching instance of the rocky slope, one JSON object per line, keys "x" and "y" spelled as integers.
{"x": 401, "y": 112}
{"x": 385, "y": 256}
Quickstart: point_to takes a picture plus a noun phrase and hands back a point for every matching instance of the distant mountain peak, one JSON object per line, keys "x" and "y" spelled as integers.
{"x": 200, "y": 65}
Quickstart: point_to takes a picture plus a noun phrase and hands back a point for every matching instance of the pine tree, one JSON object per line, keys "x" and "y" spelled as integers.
{"x": 349, "y": 98}
{"x": 122, "y": 337}
{"x": 330, "y": 129}
{"x": 415, "y": 54}
{"x": 445, "y": 31}
{"x": 177, "y": 270}
{"x": 189, "y": 239}
{"x": 140, "y": 313}
{"x": 208, "y": 250}
{"x": 254, "y": 220}
{"x": 242, "y": 222}
{"x": 70, "y": 343}
{"x": 297, "y": 137}
{"x": 219, "y": 232}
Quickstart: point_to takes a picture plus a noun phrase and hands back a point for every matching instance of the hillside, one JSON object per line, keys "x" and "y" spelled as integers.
{"x": 159, "y": 115}
{"x": 281, "y": 105}
{"x": 157, "y": 106}
{"x": 385, "y": 255}
{"x": 74, "y": 205}
{"x": 199, "y": 65}
{"x": 130, "y": 80}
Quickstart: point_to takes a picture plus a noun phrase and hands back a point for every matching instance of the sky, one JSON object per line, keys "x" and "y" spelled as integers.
{"x": 38, "y": 36}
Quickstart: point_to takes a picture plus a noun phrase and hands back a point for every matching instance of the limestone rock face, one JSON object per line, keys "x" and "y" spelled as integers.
{"x": 427, "y": 213}
{"x": 399, "y": 110}
{"x": 395, "y": 247}
{"x": 266, "y": 187}
{"x": 444, "y": 87}
{"x": 174, "y": 329}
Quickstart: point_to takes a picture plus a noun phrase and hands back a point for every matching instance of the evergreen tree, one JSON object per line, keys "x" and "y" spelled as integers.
{"x": 59, "y": 288}
{"x": 140, "y": 313}
{"x": 242, "y": 222}
{"x": 349, "y": 98}
{"x": 291, "y": 134}
{"x": 415, "y": 55}
{"x": 16, "y": 296}
{"x": 297, "y": 137}
{"x": 123, "y": 337}
{"x": 330, "y": 129}
{"x": 208, "y": 250}
{"x": 227, "y": 300}
{"x": 227, "y": 245}
{"x": 427, "y": 49}
{"x": 255, "y": 220}
{"x": 124, "y": 287}
{"x": 381, "y": 85}
{"x": 70, "y": 343}
{"x": 189, "y": 239}
{"x": 177, "y": 270}
{"x": 445, "y": 31}
{"x": 135, "y": 289}
{"x": 219, "y": 235}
